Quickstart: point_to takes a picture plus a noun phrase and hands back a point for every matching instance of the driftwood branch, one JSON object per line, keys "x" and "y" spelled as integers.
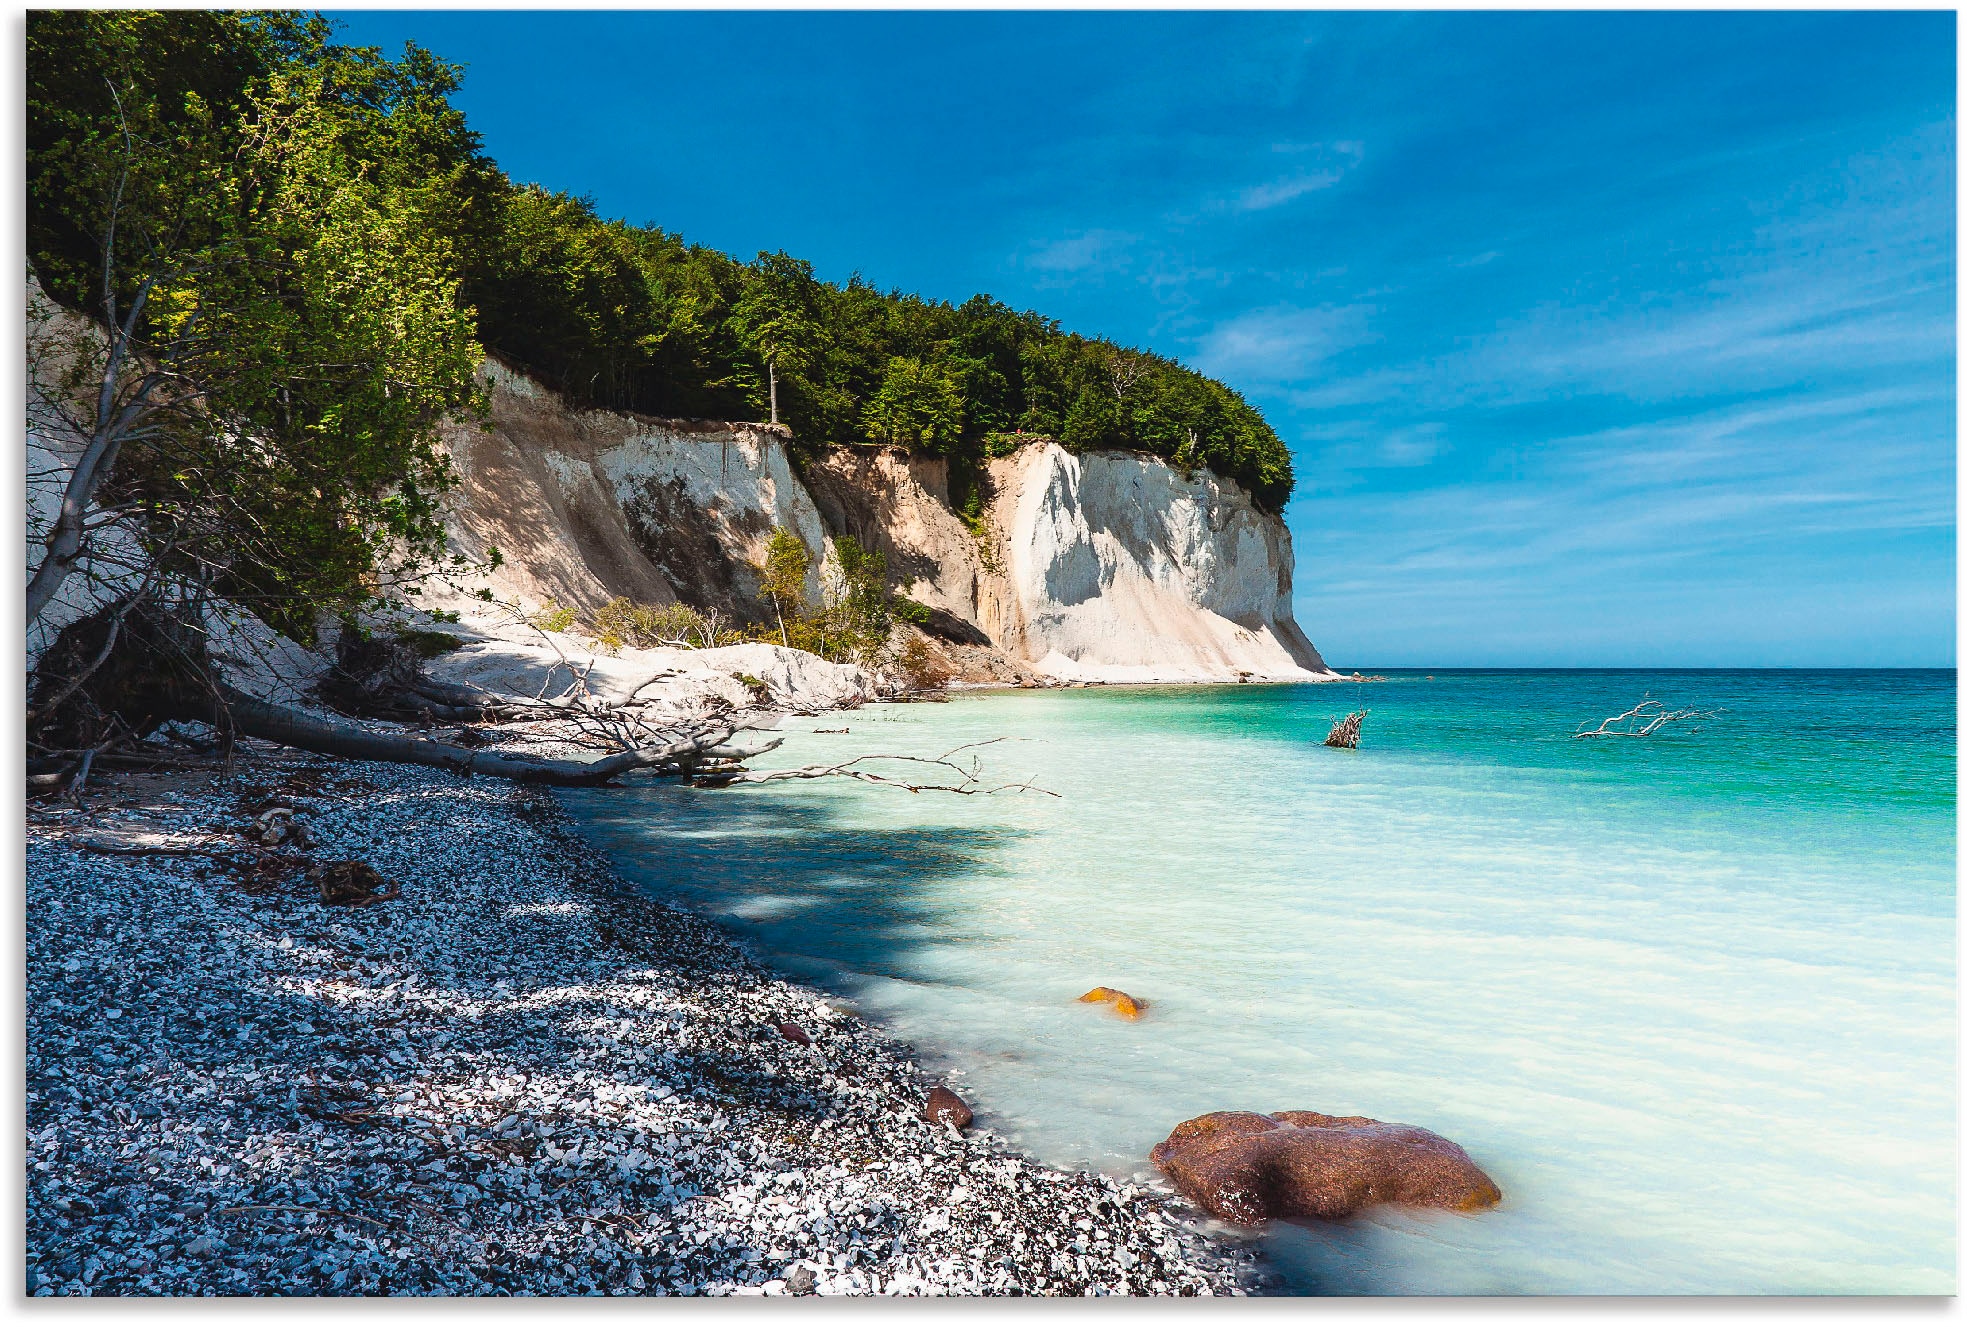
{"x": 968, "y": 781}
{"x": 1345, "y": 733}
{"x": 1642, "y": 720}
{"x": 291, "y": 727}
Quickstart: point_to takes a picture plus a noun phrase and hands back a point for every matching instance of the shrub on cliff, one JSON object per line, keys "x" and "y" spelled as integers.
{"x": 622, "y": 622}
{"x": 854, "y": 617}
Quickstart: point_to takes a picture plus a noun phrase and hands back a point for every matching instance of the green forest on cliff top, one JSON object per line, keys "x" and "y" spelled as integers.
{"x": 627, "y": 317}
{"x": 310, "y": 249}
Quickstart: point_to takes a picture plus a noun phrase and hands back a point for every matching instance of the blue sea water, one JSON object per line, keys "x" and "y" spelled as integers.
{"x": 1689, "y": 999}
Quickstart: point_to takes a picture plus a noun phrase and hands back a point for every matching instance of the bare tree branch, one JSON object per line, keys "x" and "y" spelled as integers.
{"x": 1643, "y": 720}
{"x": 968, "y": 777}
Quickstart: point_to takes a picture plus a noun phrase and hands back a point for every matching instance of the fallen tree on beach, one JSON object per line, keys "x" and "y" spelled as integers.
{"x": 112, "y": 680}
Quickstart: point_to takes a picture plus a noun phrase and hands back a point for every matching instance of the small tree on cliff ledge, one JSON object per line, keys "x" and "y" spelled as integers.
{"x": 784, "y": 582}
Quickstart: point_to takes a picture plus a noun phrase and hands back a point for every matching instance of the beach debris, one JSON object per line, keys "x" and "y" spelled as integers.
{"x": 794, "y": 1033}
{"x": 1246, "y": 1167}
{"x": 1643, "y": 720}
{"x": 276, "y": 826}
{"x": 1121, "y": 1003}
{"x": 353, "y": 884}
{"x": 1345, "y": 733}
{"x": 801, "y": 1280}
{"x": 945, "y": 1107}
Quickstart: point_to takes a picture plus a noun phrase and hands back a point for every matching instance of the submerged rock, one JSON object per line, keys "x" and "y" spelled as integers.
{"x": 945, "y": 1107}
{"x": 1122, "y": 1003}
{"x": 1246, "y": 1167}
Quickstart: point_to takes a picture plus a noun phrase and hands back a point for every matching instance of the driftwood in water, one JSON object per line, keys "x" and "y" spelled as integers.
{"x": 968, "y": 781}
{"x": 1345, "y": 733}
{"x": 1642, "y": 720}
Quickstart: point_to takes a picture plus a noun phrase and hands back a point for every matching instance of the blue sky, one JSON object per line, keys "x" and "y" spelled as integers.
{"x": 1599, "y": 339}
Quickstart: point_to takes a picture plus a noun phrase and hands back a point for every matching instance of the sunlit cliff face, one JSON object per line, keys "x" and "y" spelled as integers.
{"x": 1100, "y": 567}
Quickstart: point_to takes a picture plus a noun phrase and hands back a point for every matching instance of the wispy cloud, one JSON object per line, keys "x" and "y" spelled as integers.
{"x": 1329, "y": 165}
{"x": 1282, "y": 344}
{"x": 1276, "y": 193}
{"x": 1085, "y": 253}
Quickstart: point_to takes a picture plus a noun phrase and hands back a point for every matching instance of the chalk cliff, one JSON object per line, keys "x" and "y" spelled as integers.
{"x": 1105, "y": 566}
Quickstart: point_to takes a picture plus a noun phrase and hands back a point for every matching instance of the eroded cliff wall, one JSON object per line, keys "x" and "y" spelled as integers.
{"x": 585, "y": 506}
{"x": 1099, "y": 567}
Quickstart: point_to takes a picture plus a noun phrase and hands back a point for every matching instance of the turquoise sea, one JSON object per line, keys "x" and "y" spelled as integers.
{"x": 1689, "y": 999}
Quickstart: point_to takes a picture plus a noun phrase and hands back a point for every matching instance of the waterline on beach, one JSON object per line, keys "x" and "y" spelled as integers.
{"x": 1690, "y": 1001}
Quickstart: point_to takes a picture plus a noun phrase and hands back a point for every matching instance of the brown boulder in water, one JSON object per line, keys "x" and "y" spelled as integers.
{"x": 1123, "y": 1004}
{"x": 1246, "y": 1167}
{"x": 945, "y": 1107}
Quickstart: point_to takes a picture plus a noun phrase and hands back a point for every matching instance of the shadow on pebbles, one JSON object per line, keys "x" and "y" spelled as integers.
{"x": 517, "y": 1076}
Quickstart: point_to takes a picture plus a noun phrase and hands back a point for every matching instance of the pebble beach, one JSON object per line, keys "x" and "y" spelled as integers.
{"x": 516, "y": 1075}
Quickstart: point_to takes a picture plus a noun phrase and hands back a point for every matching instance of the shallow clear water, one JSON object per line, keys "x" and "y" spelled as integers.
{"x": 1690, "y": 1000}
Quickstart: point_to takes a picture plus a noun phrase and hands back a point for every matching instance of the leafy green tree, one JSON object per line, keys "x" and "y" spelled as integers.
{"x": 917, "y": 405}
{"x": 1093, "y": 422}
{"x": 783, "y": 576}
{"x": 861, "y": 613}
{"x": 280, "y": 333}
{"x": 776, "y": 316}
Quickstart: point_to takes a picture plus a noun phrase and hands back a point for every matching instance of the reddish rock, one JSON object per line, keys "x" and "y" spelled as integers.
{"x": 1122, "y": 1003}
{"x": 793, "y": 1032}
{"x": 1246, "y": 1167}
{"x": 945, "y": 1107}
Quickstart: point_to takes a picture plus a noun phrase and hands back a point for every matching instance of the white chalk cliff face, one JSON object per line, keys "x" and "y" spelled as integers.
{"x": 1100, "y": 567}
{"x": 1120, "y": 568}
